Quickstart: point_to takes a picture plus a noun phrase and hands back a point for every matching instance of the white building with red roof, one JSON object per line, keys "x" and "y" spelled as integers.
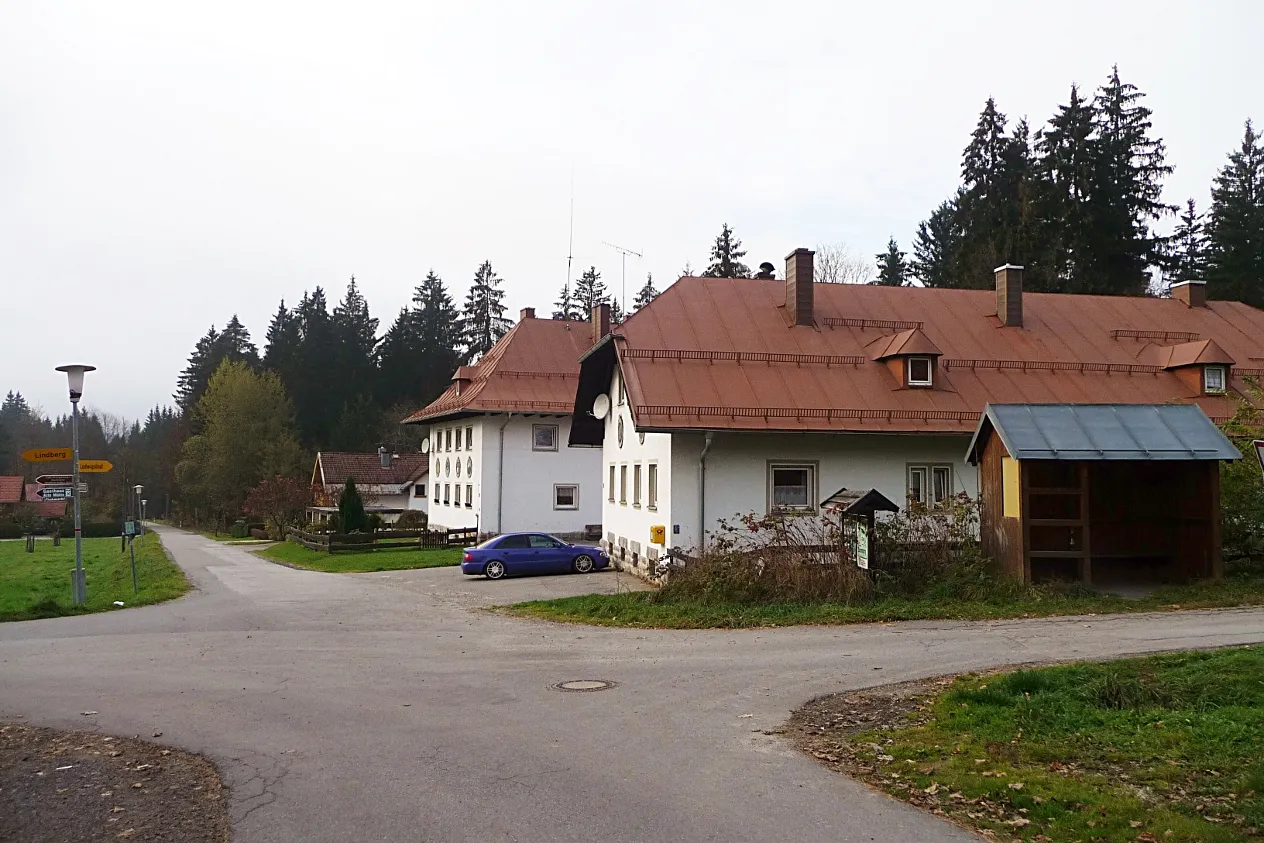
{"x": 498, "y": 437}
{"x": 391, "y": 484}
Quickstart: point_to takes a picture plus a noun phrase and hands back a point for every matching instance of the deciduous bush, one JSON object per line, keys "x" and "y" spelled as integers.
{"x": 1242, "y": 493}
{"x": 412, "y": 519}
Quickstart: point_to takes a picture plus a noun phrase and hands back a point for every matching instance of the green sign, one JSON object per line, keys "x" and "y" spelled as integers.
{"x": 129, "y": 528}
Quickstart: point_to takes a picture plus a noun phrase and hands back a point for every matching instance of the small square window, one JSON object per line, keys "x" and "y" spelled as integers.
{"x": 566, "y": 496}
{"x": 419, "y": 491}
{"x": 469, "y": 497}
{"x": 652, "y": 490}
{"x": 919, "y": 371}
{"x": 1214, "y": 379}
{"x": 791, "y": 488}
{"x": 930, "y": 484}
{"x": 544, "y": 437}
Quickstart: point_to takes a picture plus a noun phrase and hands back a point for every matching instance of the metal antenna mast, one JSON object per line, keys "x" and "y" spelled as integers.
{"x": 624, "y": 260}
{"x": 570, "y": 243}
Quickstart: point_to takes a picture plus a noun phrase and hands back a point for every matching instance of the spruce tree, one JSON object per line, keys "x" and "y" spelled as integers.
{"x": 318, "y": 357}
{"x": 1065, "y": 160}
{"x": 283, "y": 338}
{"x": 935, "y": 247}
{"x": 351, "y": 508}
{"x": 483, "y": 319}
{"x": 1235, "y": 269}
{"x": 726, "y": 255}
{"x": 892, "y": 270}
{"x": 1186, "y": 252}
{"x": 438, "y": 338}
{"x": 1127, "y": 190}
{"x": 564, "y": 307}
{"x": 589, "y": 292}
{"x": 646, "y": 294}
{"x": 355, "y": 333}
{"x": 197, "y": 372}
{"x": 616, "y": 312}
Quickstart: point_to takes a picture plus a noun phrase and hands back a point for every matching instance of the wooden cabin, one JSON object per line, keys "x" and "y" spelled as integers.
{"x": 1101, "y": 493}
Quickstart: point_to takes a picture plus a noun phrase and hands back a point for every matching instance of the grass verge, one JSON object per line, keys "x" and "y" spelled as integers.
{"x": 1165, "y": 748}
{"x": 37, "y": 585}
{"x": 392, "y": 559}
{"x": 659, "y": 609}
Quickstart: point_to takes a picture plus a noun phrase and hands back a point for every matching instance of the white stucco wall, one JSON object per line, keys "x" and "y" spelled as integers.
{"x": 529, "y": 476}
{"x": 626, "y": 526}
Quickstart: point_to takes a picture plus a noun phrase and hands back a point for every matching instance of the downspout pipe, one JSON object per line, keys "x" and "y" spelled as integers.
{"x": 500, "y": 478}
{"x": 702, "y": 492}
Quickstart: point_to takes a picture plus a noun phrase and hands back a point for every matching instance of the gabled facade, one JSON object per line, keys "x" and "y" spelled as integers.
{"x": 497, "y": 438}
{"x": 391, "y": 484}
{"x": 730, "y": 396}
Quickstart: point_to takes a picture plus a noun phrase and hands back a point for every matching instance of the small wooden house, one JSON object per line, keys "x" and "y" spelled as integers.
{"x": 1104, "y": 493}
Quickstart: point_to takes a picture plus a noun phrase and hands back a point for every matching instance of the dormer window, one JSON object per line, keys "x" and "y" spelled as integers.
{"x": 920, "y": 371}
{"x": 1214, "y": 379}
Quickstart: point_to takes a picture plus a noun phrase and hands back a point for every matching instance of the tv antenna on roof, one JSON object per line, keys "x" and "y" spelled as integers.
{"x": 624, "y": 281}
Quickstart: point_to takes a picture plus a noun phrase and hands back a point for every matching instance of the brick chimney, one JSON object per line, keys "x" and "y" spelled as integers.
{"x": 600, "y": 322}
{"x": 1191, "y": 293}
{"x": 1009, "y": 295}
{"x": 526, "y": 313}
{"x": 799, "y": 275}
{"x": 384, "y": 456}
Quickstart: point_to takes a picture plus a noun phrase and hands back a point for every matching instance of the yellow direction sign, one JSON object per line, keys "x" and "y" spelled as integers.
{"x": 94, "y": 466}
{"x": 46, "y": 454}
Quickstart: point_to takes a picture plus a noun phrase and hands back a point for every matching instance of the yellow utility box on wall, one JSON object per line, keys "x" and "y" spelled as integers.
{"x": 658, "y": 534}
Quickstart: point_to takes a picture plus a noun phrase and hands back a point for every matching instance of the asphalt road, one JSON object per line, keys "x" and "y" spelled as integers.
{"x": 387, "y": 707}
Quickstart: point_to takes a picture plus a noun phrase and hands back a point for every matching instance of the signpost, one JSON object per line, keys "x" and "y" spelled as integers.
{"x": 57, "y": 493}
{"x": 56, "y": 479}
{"x": 48, "y": 455}
{"x": 95, "y": 466}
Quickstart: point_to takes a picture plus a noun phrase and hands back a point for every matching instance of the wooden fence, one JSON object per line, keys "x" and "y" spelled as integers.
{"x": 382, "y": 539}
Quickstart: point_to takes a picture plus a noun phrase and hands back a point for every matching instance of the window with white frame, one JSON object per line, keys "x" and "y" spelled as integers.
{"x": 636, "y": 485}
{"x": 469, "y": 438}
{"x": 436, "y": 493}
{"x": 792, "y": 487}
{"x": 419, "y": 490}
{"x": 919, "y": 371}
{"x": 610, "y": 485}
{"x": 651, "y": 497}
{"x": 447, "y": 490}
{"x": 565, "y": 496}
{"x": 458, "y": 438}
{"x": 544, "y": 437}
{"x": 469, "y": 496}
{"x": 930, "y": 484}
{"x": 623, "y": 484}
{"x": 1213, "y": 379}
{"x": 623, "y": 393}
{"x": 447, "y": 439}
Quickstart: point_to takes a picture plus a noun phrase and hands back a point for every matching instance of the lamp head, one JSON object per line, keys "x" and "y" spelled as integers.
{"x": 74, "y": 374}
{"x": 138, "y": 489}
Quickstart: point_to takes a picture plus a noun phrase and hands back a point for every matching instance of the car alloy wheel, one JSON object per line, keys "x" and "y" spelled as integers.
{"x": 583, "y": 564}
{"x": 494, "y": 570}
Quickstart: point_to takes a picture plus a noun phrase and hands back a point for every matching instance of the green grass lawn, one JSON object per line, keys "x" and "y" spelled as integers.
{"x": 393, "y": 559}
{"x": 1167, "y": 748}
{"x": 37, "y": 585}
{"x": 657, "y": 609}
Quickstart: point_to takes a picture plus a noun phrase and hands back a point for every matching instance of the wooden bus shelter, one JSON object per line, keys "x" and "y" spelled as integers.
{"x": 1101, "y": 493}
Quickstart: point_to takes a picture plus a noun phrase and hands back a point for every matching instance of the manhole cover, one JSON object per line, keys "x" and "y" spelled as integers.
{"x": 584, "y": 685}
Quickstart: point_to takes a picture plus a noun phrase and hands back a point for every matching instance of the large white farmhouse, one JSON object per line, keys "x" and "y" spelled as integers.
{"x": 497, "y": 438}
{"x": 728, "y": 396}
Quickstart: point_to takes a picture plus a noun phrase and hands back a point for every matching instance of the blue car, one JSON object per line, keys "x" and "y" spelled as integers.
{"x": 530, "y": 553}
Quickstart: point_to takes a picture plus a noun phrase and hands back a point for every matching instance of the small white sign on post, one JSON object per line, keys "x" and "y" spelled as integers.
{"x": 1258, "y": 445}
{"x": 862, "y": 544}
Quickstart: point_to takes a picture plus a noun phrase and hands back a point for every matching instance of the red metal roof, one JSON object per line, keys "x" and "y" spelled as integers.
{"x": 367, "y": 470}
{"x": 719, "y": 353}
{"x": 532, "y": 369}
{"x": 10, "y": 489}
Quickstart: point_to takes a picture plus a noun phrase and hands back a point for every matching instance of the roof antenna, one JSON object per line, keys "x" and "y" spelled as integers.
{"x": 570, "y": 243}
{"x": 624, "y": 253}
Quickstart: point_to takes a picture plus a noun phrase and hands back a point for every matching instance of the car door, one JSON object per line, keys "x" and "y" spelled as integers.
{"x": 549, "y": 555}
{"x": 515, "y": 552}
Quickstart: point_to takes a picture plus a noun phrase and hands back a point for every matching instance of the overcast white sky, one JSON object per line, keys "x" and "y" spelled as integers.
{"x": 165, "y": 164}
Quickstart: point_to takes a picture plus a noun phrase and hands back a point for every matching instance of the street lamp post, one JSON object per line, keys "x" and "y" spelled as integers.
{"x": 143, "y": 501}
{"x": 130, "y": 542}
{"x": 74, "y": 375}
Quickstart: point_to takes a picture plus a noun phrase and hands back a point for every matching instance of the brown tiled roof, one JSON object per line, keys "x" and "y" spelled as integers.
{"x": 532, "y": 369}
{"x": 10, "y": 489}
{"x": 46, "y": 509}
{"x": 366, "y": 469}
{"x": 717, "y": 353}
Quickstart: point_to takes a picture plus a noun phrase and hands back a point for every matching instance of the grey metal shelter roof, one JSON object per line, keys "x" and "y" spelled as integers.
{"x": 1102, "y": 432}
{"x": 859, "y": 502}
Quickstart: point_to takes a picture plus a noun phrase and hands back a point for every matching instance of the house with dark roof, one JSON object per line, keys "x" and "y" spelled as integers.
{"x": 391, "y": 484}
{"x": 499, "y": 436}
{"x": 727, "y": 396}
